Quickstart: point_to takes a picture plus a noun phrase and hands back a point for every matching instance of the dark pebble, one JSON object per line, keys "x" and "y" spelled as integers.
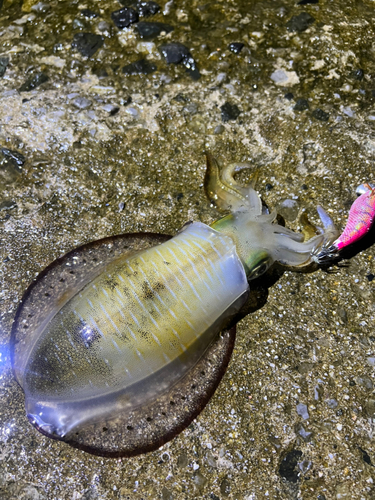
{"x": 89, "y": 13}
{"x": 229, "y": 112}
{"x": 301, "y": 104}
{"x": 114, "y": 111}
{"x": 87, "y": 43}
{"x": 124, "y": 17}
{"x": 180, "y": 98}
{"x": 321, "y": 115}
{"x": 370, "y": 277}
{"x": 300, "y": 23}
{"x": 269, "y": 187}
{"x": 365, "y": 456}
{"x": 357, "y": 74}
{"x": 147, "y": 9}
{"x": 8, "y": 205}
{"x": 179, "y": 196}
{"x": 236, "y": 47}
{"x": 17, "y": 158}
{"x": 306, "y": 2}
{"x": 4, "y": 61}
{"x": 176, "y": 53}
{"x": 152, "y": 30}
{"x": 33, "y": 82}
{"x": 288, "y": 466}
{"x": 289, "y": 96}
{"x": 140, "y": 67}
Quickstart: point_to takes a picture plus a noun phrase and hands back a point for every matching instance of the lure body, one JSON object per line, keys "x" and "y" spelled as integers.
{"x": 118, "y": 353}
{"x": 360, "y": 220}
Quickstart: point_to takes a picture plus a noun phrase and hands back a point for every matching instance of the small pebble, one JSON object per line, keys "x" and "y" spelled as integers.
{"x": 152, "y": 30}
{"x": 370, "y": 277}
{"x": 332, "y": 403}
{"x": 81, "y": 102}
{"x": 301, "y": 104}
{"x": 219, "y": 129}
{"x": 34, "y": 82}
{"x": 358, "y": 74}
{"x": 89, "y": 13}
{"x": 87, "y": 43}
{"x": 289, "y": 96}
{"x": 321, "y": 115}
{"x": 288, "y": 209}
{"x": 300, "y": 23}
{"x": 140, "y": 67}
{"x": 236, "y": 47}
{"x": 302, "y": 411}
{"x": 306, "y": 2}
{"x": 17, "y": 158}
{"x": 229, "y": 112}
{"x": 176, "y": 53}
{"x": 8, "y": 205}
{"x": 147, "y": 9}
{"x": 124, "y": 17}
{"x": 4, "y": 61}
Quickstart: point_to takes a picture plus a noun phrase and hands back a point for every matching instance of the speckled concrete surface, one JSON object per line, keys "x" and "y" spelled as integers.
{"x": 106, "y": 152}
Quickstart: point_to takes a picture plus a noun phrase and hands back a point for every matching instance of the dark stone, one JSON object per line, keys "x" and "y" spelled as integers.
{"x": 152, "y": 30}
{"x": 300, "y": 23}
{"x": 301, "y": 104}
{"x": 287, "y": 468}
{"x": 306, "y": 2}
{"x": 89, "y": 13}
{"x": 8, "y": 205}
{"x": 229, "y": 112}
{"x": 289, "y": 96}
{"x": 124, "y": 17}
{"x": 147, "y": 9}
{"x": 140, "y": 67}
{"x": 365, "y": 456}
{"x": 358, "y": 74}
{"x": 269, "y": 186}
{"x": 87, "y": 43}
{"x": 214, "y": 497}
{"x": 33, "y": 82}
{"x": 176, "y": 53}
{"x": 321, "y": 115}
{"x": 180, "y": 98}
{"x": 370, "y": 277}
{"x": 17, "y": 158}
{"x": 236, "y": 47}
{"x": 4, "y": 61}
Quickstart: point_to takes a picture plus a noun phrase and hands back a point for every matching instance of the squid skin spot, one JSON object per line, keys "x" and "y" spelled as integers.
{"x": 110, "y": 284}
{"x": 159, "y": 286}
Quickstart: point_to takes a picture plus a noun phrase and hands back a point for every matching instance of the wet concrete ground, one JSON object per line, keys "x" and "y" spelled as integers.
{"x": 92, "y": 151}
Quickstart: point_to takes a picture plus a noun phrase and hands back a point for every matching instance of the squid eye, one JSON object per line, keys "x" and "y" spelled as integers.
{"x": 261, "y": 269}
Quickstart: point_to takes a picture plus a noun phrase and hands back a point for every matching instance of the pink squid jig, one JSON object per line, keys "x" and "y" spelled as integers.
{"x": 360, "y": 220}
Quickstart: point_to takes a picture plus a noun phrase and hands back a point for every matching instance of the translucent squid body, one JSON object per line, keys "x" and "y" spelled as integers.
{"x": 360, "y": 220}
{"x": 116, "y": 344}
